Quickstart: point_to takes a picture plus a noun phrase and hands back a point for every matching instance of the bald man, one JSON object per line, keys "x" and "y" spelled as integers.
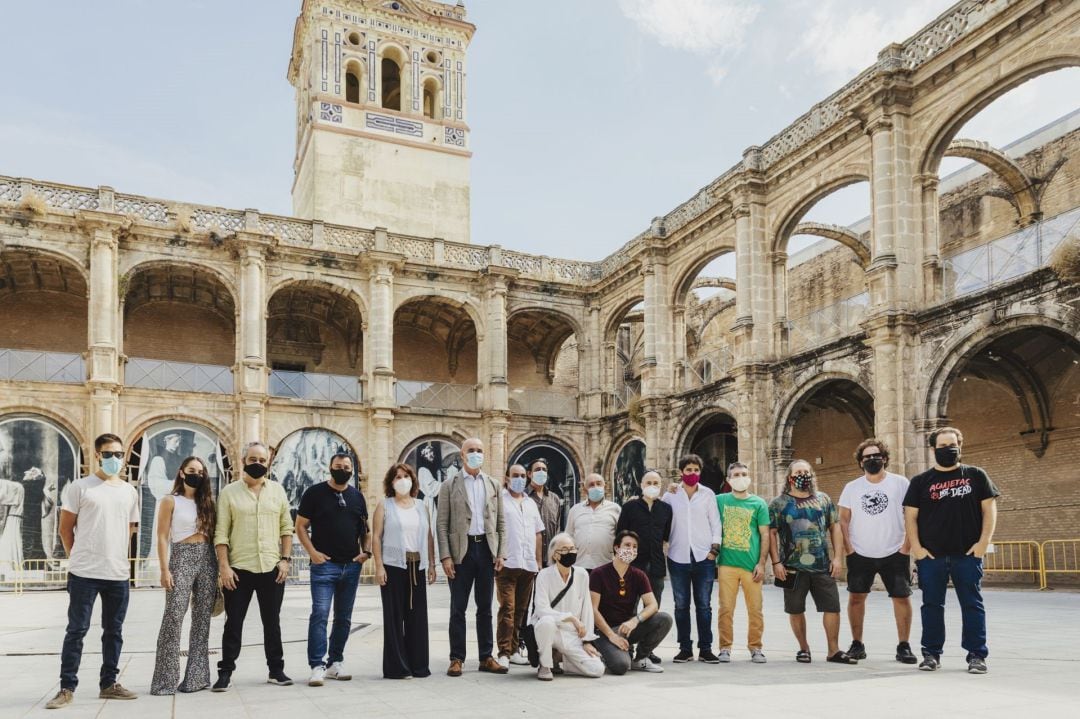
{"x": 592, "y": 524}
{"x": 651, "y": 520}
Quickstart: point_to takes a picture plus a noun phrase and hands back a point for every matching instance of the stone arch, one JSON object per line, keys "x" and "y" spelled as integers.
{"x": 686, "y": 277}
{"x": 615, "y": 318}
{"x": 788, "y": 415}
{"x": 82, "y": 442}
{"x": 44, "y": 300}
{"x": 568, "y": 469}
{"x": 226, "y": 280}
{"x": 543, "y": 332}
{"x": 301, "y": 459}
{"x": 790, "y": 218}
{"x": 698, "y": 419}
{"x": 715, "y": 453}
{"x": 434, "y": 323}
{"x": 60, "y": 255}
{"x": 843, "y": 235}
{"x": 145, "y": 421}
{"x": 467, "y": 305}
{"x": 974, "y": 100}
{"x": 295, "y": 311}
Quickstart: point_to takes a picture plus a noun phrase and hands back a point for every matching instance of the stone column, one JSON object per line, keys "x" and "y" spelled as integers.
{"x": 656, "y": 377}
{"x": 493, "y": 343}
{"x": 103, "y": 329}
{"x": 591, "y": 369}
{"x": 756, "y": 304}
{"x": 382, "y": 444}
{"x": 251, "y": 250}
{"x": 380, "y": 337}
{"x": 932, "y": 265}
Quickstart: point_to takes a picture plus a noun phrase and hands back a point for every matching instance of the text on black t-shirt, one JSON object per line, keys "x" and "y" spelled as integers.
{"x": 950, "y": 507}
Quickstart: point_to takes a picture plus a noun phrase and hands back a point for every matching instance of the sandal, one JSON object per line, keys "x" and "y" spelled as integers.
{"x": 842, "y": 657}
{"x": 803, "y": 656}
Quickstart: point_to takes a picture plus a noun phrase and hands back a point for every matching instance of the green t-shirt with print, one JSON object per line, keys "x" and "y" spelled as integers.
{"x": 741, "y": 519}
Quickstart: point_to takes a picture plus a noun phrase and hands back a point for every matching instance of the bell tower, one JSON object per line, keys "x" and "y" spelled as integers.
{"x": 381, "y": 105}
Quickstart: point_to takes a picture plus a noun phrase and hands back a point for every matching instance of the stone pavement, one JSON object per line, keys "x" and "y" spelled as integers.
{"x": 1034, "y": 663}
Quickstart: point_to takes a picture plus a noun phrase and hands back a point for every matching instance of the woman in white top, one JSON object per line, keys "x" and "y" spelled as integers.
{"x": 404, "y": 551}
{"x": 566, "y": 625}
{"x": 185, "y": 524}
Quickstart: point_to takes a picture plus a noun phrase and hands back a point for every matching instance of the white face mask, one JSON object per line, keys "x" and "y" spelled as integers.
{"x": 651, "y": 491}
{"x": 739, "y": 484}
{"x": 403, "y": 486}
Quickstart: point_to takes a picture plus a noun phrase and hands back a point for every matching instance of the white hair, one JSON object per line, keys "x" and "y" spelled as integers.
{"x": 559, "y": 539}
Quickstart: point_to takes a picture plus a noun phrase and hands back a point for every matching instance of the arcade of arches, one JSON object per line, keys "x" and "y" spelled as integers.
{"x": 720, "y": 330}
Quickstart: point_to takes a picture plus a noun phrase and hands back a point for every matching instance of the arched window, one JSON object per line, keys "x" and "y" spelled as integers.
{"x": 391, "y": 84}
{"x": 431, "y": 95}
{"x": 352, "y": 83}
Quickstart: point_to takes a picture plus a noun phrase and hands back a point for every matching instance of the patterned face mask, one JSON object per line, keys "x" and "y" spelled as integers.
{"x": 802, "y": 482}
{"x": 626, "y": 554}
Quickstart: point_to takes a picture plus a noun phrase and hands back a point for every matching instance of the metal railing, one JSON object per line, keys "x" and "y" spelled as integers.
{"x": 1009, "y": 257}
{"x": 544, "y": 402}
{"x": 707, "y": 368}
{"x": 1016, "y": 558}
{"x": 828, "y": 323}
{"x": 435, "y": 395}
{"x": 1060, "y": 556}
{"x": 178, "y": 376}
{"x": 621, "y": 398}
{"x": 314, "y": 386}
{"x": 33, "y": 366}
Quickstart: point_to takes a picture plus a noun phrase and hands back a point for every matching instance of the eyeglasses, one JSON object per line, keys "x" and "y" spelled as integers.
{"x": 341, "y": 500}
{"x": 110, "y": 455}
{"x": 873, "y": 456}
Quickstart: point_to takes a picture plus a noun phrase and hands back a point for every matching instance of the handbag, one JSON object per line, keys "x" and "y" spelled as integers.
{"x": 528, "y": 636}
{"x": 219, "y": 603}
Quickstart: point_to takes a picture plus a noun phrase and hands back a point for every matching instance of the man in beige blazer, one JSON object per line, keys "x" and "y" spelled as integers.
{"x": 472, "y": 546}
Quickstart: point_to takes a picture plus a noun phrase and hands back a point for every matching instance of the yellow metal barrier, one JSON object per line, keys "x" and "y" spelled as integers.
{"x": 43, "y": 574}
{"x": 1016, "y": 558}
{"x": 1060, "y": 556}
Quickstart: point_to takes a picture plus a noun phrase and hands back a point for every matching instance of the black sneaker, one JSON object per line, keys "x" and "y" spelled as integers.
{"x": 904, "y": 654}
{"x": 930, "y": 663}
{"x": 976, "y": 665}
{"x": 683, "y": 656}
{"x": 224, "y": 681}
{"x": 706, "y": 655}
{"x": 278, "y": 677}
{"x": 654, "y": 659}
{"x": 857, "y": 650}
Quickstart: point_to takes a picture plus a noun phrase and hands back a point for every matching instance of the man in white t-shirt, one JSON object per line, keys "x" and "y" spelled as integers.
{"x": 524, "y": 557}
{"x": 99, "y": 514}
{"x": 872, "y": 520}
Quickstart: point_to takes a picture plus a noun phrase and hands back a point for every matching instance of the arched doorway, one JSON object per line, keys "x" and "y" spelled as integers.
{"x": 435, "y": 458}
{"x": 38, "y": 459}
{"x": 627, "y": 470}
{"x": 303, "y": 459}
{"x": 564, "y": 474}
{"x": 715, "y": 440}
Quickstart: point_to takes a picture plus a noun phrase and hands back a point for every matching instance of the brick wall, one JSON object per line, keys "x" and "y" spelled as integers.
{"x": 421, "y": 356}
{"x": 44, "y": 321}
{"x": 179, "y": 332}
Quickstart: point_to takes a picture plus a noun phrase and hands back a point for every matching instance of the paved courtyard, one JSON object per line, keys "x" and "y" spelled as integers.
{"x": 1035, "y": 657}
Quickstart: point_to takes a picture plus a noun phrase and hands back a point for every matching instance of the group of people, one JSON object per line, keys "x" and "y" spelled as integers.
{"x": 584, "y": 599}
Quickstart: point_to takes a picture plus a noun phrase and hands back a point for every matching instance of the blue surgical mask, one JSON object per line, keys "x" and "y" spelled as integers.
{"x": 517, "y": 484}
{"x": 596, "y": 494}
{"x": 475, "y": 460}
{"x": 539, "y": 478}
{"x": 112, "y": 466}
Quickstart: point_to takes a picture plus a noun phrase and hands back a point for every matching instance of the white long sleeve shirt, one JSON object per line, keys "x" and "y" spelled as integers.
{"x": 577, "y": 602}
{"x": 695, "y": 524}
{"x": 523, "y": 524}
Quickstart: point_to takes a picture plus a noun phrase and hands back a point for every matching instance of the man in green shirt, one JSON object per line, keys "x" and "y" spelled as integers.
{"x": 253, "y": 539}
{"x": 743, "y": 555}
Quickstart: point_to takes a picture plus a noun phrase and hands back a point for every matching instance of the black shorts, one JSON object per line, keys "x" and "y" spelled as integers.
{"x": 820, "y": 585}
{"x": 894, "y": 570}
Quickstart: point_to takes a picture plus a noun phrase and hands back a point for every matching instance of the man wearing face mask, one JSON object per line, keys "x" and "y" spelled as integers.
{"x": 472, "y": 546}
{"x": 549, "y": 503}
{"x": 872, "y": 520}
{"x": 592, "y": 525}
{"x": 336, "y": 514}
{"x": 802, "y": 521}
{"x": 100, "y": 513}
{"x": 253, "y": 539}
{"x": 950, "y": 512}
{"x": 514, "y": 582}
{"x": 744, "y": 554}
{"x": 696, "y": 534}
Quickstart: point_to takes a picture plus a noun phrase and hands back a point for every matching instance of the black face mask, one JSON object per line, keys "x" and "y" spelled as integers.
{"x": 873, "y": 466}
{"x": 194, "y": 479}
{"x": 254, "y": 470}
{"x": 947, "y": 456}
{"x": 341, "y": 476}
{"x": 568, "y": 559}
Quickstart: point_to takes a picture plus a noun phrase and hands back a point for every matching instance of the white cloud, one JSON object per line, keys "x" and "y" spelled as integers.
{"x": 704, "y": 27}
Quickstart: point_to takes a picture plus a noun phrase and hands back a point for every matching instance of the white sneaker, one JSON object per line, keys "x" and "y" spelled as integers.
{"x": 317, "y": 675}
{"x": 724, "y": 656}
{"x": 337, "y": 671}
{"x": 520, "y": 657}
{"x": 504, "y": 661}
{"x": 644, "y": 665}
{"x": 757, "y": 656}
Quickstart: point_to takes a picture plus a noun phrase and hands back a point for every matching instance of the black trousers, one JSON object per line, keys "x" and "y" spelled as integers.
{"x": 405, "y": 625}
{"x": 270, "y": 594}
{"x": 478, "y": 568}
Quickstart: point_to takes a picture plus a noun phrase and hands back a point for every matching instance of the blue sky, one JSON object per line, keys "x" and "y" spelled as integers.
{"x": 588, "y": 117}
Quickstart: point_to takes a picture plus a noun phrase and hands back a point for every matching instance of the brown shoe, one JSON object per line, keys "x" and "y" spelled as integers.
{"x": 455, "y": 668}
{"x": 62, "y": 699}
{"x": 492, "y": 666}
{"x": 117, "y": 692}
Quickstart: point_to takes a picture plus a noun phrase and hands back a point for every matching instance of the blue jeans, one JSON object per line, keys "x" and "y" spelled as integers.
{"x": 336, "y": 582}
{"x": 699, "y": 576}
{"x": 82, "y": 593}
{"x": 966, "y": 573}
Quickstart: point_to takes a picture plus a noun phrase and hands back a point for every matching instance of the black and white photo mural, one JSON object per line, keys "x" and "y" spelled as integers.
{"x": 38, "y": 459}
{"x": 153, "y": 463}
{"x": 564, "y": 476}
{"x": 435, "y": 459}
{"x": 629, "y": 468}
{"x": 303, "y": 459}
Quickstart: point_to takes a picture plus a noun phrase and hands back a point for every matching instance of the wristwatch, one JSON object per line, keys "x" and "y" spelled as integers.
{"x": 285, "y": 559}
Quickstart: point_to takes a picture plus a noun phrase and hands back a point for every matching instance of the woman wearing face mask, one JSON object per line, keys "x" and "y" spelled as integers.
{"x": 185, "y": 524}
{"x": 404, "y": 551}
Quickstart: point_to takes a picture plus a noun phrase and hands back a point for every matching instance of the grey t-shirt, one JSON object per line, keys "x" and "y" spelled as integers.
{"x": 105, "y": 511}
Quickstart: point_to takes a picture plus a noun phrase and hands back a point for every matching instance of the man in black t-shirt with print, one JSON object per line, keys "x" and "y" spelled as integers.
{"x": 950, "y": 511}
{"x": 336, "y": 513}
